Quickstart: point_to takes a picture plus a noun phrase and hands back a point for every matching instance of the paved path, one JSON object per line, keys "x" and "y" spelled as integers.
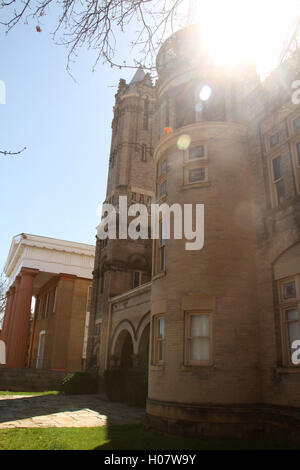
{"x": 43, "y": 411}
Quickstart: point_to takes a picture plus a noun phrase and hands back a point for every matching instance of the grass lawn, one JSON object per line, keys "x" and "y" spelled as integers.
{"x": 122, "y": 437}
{"x": 7, "y": 392}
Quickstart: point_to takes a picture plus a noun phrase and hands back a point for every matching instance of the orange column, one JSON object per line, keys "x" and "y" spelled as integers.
{"x": 18, "y": 344}
{"x": 10, "y": 329}
{"x": 7, "y": 315}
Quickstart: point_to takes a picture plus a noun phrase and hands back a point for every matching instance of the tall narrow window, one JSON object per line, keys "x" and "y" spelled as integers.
{"x": 162, "y": 246}
{"x": 137, "y": 279}
{"x": 167, "y": 120}
{"x": 146, "y": 114}
{"x": 298, "y": 153}
{"x": 46, "y": 306}
{"x": 159, "y": 339}
{"x": 144, "y": 153}
{"x": 55, "y": 300}
{"x": 278, "y": 182}
{"x": 198, "y": 338}
{"x": 289, "y": 294}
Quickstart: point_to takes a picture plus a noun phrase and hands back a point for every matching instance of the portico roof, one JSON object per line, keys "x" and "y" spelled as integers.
{"x": 49, "y": 255}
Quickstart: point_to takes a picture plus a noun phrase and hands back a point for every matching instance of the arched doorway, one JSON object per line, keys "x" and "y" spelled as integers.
{"x": 126, "y": 361}
{"x": 123, "y": 351}
{"x": 143, "y": 351}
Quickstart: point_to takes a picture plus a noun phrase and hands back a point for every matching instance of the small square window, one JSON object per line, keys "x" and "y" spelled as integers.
{"x": 197, "y": 174}
{"x": 196, "y": 152}
{"x": 289, "y": 290}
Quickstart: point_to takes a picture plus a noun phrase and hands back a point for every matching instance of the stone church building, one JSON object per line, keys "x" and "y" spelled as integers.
{"x": 214, "y": 326}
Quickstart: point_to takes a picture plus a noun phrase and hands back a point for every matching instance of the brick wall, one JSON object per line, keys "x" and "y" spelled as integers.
{"x": 30, "y": 380}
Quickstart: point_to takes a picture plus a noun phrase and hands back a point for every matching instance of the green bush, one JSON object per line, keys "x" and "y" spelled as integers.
{"x": 79, "y": 383}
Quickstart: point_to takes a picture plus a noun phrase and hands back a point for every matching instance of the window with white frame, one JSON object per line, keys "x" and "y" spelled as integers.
{"x": 278, "y": 189}
{"x": 289, "y": 296}
{"x": 198, "y": 338}
{"x": 158, "y": 339}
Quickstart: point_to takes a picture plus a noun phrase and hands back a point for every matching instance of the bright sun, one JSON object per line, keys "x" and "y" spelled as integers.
{"x": 247, "y": 30}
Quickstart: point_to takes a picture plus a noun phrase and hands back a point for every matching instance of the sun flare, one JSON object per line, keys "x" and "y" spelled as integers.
{"x": 236, "y": 31}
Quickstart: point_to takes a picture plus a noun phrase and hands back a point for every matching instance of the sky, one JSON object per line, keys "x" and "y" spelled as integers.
{"x": 55, "y": 187}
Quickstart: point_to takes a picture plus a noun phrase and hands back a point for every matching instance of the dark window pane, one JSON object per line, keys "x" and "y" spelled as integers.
{"x": 296, "y": 124}
{"x": 274, "y": 139}
{"x": 136, "y": 279}
{"x": 289, "y": 290}
{"x": 163, "y": 167}
{"x": 277, "y": 168}
{"x": 163, "y": 188}
{"x": 298, "y": 152}
{"x": 280, "y": 190}
{"x": 197, "y": 174}
{"x": 196, "y": 152}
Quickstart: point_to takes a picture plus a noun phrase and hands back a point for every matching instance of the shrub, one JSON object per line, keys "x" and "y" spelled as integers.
{"x": 79, "y": 383}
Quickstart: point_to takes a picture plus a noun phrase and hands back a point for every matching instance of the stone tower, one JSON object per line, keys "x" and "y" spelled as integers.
{"x": 203, "y": 302}
{"x": 121, "y": 265}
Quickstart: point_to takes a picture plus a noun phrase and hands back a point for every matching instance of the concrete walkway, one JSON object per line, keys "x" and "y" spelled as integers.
{"x": 44, "y": 411}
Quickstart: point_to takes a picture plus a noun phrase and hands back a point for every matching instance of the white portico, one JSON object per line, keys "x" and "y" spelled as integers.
{"x": 36, "y": 263}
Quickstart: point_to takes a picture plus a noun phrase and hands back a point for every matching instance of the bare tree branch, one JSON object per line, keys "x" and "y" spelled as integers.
{"x": 7, "y": 152}
{"x": 3, "y": 297}
{"x": 99, "y": 24}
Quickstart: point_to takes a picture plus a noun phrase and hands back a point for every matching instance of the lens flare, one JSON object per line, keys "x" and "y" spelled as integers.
{"x": 205, "y": 93}
{"x": 183, "y": 142}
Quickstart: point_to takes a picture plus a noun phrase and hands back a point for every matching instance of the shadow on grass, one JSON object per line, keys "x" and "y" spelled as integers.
{"x": 137, "y": 437}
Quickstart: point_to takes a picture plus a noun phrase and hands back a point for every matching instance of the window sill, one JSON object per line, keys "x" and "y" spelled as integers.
{"x": 204, "y": 184}
{"x": 288, "y": 369}
{"x": 189, "y": 367}
{"x": 159, "y": 275}
{"x": 157, "y": 367}
{"x": 162, "y": 198}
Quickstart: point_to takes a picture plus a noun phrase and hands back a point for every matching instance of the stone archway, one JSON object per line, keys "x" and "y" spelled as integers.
{"x": 123, "y": 350}
{"x": 143, "y": 348}
{"x": 126, "y": 360}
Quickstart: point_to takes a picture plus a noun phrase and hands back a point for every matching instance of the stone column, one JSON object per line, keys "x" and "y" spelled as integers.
{"x": 17, "y": 354}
